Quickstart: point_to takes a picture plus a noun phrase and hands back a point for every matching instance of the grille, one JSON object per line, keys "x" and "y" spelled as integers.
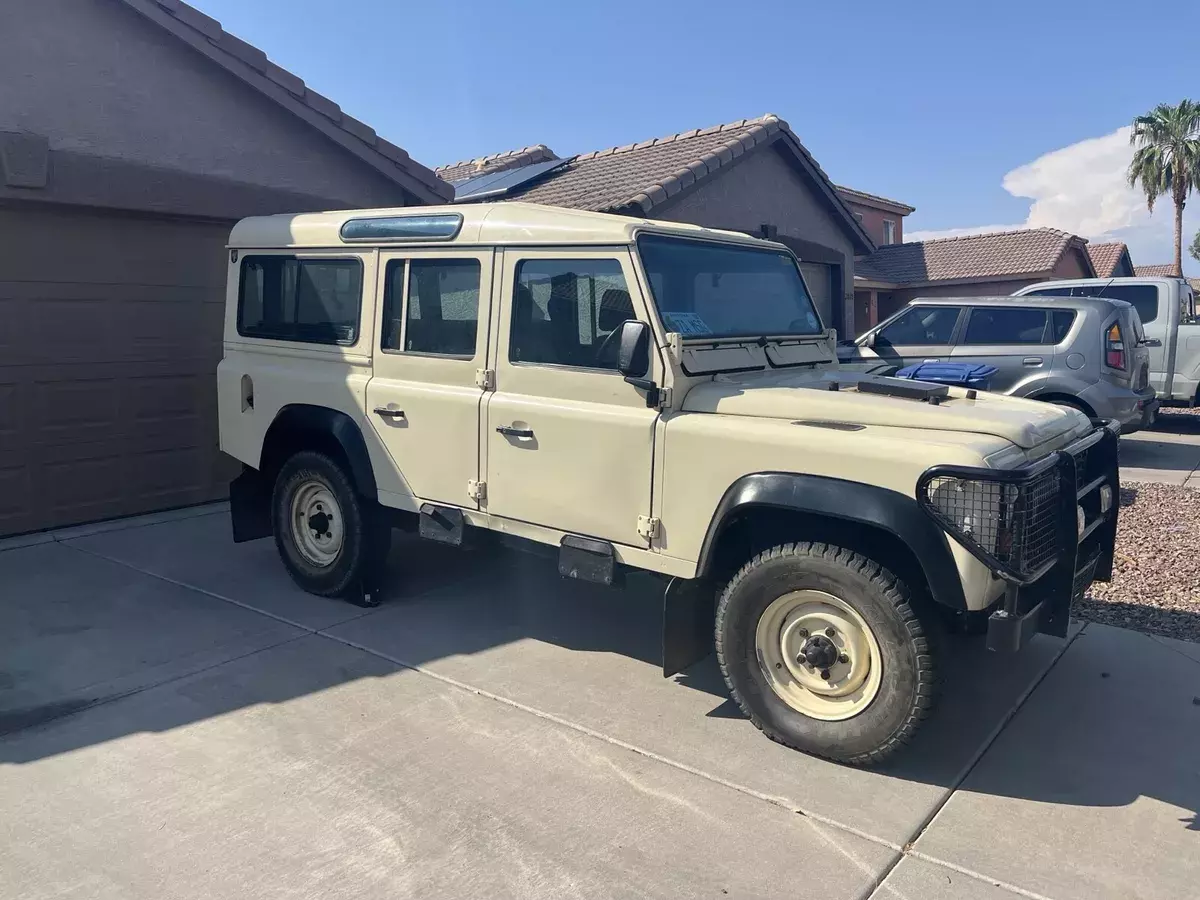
{"x": 1036, "y": 523}
{"x": 1081, "y": 468}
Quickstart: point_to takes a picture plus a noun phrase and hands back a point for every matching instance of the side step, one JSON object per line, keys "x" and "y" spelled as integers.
{"x": 443, "y": 524}
{"x": 587, "y": 559}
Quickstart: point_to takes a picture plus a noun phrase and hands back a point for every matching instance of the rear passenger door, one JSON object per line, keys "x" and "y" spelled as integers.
{"x": 1017, "y": 340}
{"x": 430, "y": 342}
{"x": 919, "y": 334}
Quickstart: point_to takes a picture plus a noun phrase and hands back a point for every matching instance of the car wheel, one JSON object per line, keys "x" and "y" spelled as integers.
{"x": 824, "y": 652}
{"x": 330, "y": 539}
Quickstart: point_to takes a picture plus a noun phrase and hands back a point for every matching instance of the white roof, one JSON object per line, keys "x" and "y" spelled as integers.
{"x": 486, "y": 223}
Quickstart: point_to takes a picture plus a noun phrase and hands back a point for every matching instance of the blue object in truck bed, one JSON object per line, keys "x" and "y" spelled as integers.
{"x": 972, "y": 375}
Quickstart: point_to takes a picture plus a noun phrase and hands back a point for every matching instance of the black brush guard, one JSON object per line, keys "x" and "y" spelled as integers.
{"x": 1046, "y": 562}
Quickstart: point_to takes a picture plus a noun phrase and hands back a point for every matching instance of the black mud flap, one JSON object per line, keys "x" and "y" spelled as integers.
{"x": 250, "y": 506}
{"x": 587, "y": 559}
{"x": 688, "y": 608}
{"x": 443, "y": 524}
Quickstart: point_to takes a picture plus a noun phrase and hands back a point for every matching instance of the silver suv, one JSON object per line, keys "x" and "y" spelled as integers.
{"x": 1082, "y": 352}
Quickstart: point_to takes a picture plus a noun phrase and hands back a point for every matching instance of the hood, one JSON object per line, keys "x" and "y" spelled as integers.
{"x": 807, "y": 396}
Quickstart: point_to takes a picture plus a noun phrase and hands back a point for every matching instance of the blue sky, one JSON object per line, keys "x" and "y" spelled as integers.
{"x": 932, "y": 103}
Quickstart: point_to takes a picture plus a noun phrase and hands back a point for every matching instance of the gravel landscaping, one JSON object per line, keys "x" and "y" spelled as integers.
{"x": 1156, "y": 575}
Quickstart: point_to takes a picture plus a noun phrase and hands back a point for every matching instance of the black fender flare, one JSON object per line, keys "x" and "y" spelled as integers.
{"x": 300, "y": 418}
{"x": 849, "y": 501}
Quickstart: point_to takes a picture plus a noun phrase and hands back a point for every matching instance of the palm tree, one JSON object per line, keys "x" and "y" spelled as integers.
{"x": 1167, "y": 159}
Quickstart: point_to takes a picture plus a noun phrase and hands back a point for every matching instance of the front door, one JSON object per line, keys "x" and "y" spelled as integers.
{"x": 919, "y": 334}
{"x": 569, "y": 443}
{"x": 431, "y": 340}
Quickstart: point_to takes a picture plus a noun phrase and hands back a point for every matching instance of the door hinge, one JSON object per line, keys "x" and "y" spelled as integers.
{"x": 477, "y": 490}
{"x": 647, "y": 527}
{"x": 486, "y": 379}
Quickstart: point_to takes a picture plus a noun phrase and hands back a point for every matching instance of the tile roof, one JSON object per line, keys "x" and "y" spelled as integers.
{"x": 497, "y": 162}
{"x": 1158, "y": 269}
{"x": 1105, "y": 257}
{"x": 251, "y": 65}
{"x": 636, "y": 178}
{"x": 975, "y": 257}
{"x": 852, "y": 196}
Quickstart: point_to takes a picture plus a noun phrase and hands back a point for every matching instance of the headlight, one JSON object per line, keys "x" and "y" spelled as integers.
{"x": 1011, "y": 524}
{"x": 978, "y": 510}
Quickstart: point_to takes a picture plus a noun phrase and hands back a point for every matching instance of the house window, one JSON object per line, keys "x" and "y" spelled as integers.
{"x": 889, "y": 231}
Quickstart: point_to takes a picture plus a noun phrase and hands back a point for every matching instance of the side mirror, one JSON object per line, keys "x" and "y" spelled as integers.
{"x": 869, "y": 340}
{"x": 633, "y": 351}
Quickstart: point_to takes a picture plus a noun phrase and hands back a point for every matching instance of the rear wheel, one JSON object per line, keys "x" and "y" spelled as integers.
{"x": 823, "y": 651}
{"x": 330, "y": 539}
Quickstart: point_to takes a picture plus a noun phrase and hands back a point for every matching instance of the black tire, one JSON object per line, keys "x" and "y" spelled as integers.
{"x": 907, "y": 689}
{"x": 365, "y": 537}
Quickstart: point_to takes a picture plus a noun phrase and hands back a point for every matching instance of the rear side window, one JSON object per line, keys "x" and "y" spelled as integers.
{"x": 1061, "y": 321}
{"x": 442, "y": 316}
{"x": 1144, "y": 297}
{"x": 1007, "y": 325}
{"x": 312, "y": 301}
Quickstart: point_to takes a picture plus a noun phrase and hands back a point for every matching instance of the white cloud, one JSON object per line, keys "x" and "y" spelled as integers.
{"x": 1082, "y": 189}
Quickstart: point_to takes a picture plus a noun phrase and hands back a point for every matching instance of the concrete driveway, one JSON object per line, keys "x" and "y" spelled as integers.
{"x": 179, "y": 721}
{"x": 1169, "y": 453}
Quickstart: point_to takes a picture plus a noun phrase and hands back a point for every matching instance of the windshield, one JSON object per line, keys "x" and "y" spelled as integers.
{"x": 704, "y": 289}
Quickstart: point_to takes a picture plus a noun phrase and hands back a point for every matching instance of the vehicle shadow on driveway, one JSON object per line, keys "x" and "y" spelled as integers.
{"x": 1116, "y": 718}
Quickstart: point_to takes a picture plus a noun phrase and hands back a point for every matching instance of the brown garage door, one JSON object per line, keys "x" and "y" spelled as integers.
{"x": 110, "y": 333}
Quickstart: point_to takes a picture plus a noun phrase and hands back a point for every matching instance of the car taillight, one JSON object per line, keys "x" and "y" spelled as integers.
{"x": 1114, "y": 347}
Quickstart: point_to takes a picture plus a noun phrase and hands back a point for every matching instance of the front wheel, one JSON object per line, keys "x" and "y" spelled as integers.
{"x": 329, "y": 538}
{"x": 823, "y": 651}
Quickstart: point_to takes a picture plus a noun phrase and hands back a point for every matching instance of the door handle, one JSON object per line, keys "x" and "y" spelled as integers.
{"x": 1031, "y": 361}
{"x": 509, "y": 431}
{"x": 389, "y": 413}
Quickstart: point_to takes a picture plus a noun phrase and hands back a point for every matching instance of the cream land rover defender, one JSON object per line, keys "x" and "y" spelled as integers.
{"x": 647, "y": 395}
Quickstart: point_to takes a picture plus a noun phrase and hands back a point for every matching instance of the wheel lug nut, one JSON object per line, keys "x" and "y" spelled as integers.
{"x": 802, "y": 632}
{"x": 825, "y": 674}
{"x": 829, "y": 632}
{"x": 843, "y": 658}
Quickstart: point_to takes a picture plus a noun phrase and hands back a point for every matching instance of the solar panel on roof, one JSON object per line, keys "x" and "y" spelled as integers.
{"x": 497, "y": 184}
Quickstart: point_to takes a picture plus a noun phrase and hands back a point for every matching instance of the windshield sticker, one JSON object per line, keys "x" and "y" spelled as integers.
{"x": 686, "y": 323}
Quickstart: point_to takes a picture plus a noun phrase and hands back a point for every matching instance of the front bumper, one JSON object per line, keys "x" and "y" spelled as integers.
{"x": 1043, "y": 528}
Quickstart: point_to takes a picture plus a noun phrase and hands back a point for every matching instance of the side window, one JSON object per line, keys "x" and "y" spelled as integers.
{"x": 442, "y": 316}
{"x": 921, "y": 325}
{"x": 1009, "y": 325}
{"x": 1061, "y": 321}
{"x": 1144, "y": 298}
{"x": 313, "y": 301}
{"x": 565, "y": 310}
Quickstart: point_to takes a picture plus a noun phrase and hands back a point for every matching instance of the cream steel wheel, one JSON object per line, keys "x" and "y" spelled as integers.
{"x": 819, "y": 655}
{"x": 331, "y": 539}
{"x": 824, "y": 650}
{"x": 316, "y": 523}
